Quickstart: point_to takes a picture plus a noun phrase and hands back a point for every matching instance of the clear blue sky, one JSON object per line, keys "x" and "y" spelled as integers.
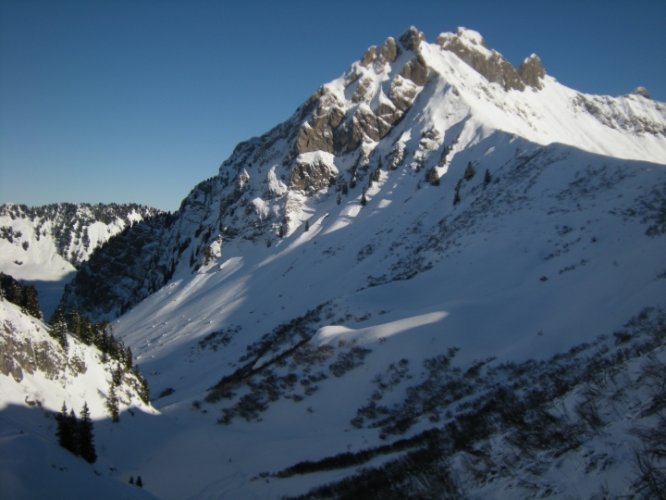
{"x": 138, "y": 100}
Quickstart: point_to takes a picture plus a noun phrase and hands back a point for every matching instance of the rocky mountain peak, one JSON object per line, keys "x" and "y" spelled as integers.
{"x": 389, "y": 50}
{"x": 387, "y": 53}
{"x": 642, "y": 91}
{"x": 411, "y": 39}
{"x": 406, "y": 105}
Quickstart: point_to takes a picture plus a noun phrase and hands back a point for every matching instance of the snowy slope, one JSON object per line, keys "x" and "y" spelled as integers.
{"x": 44, "y": 245}
{"x": 432, "y": 213}
{"x": 37, "y": 369}
{"x": 544, "y": 258}
{"x": 36, "y": 377}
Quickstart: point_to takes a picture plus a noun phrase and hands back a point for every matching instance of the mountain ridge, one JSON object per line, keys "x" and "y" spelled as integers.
{"x": 371, "y": 120}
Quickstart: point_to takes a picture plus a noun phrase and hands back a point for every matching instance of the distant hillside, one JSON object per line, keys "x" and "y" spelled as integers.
{"x": 45, "y": 245}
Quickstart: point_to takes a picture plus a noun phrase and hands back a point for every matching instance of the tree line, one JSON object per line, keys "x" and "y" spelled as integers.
{"x": 101, "y": 336}
{"x": 24, "y": 296}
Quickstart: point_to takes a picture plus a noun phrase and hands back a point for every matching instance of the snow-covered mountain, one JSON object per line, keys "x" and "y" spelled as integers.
{"x": 407, "y": 110}
{"x": 442, "y": 276}
{"x": 44, "y": 245}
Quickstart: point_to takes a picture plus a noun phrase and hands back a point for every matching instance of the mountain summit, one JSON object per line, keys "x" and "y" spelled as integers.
{"x": 406, "y": 105}
{"x": 438, "y": 265}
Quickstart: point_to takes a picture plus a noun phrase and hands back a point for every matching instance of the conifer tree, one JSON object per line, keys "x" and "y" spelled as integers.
{"x": 456, "y": 197}
{"x": 30, "y": 304}
{"x": 139, "y": 482}
{"x": 144, "y": 391}
{"x": 86, "y": 439}
{"x": 59, "y": 327}
{"x": 117, "y": 376}
{"x": 74, "y": 323}
{"x": 433, "y": 177}
{"x": 66, "y": 430}
{"x": 128, "y": 358}
{"x": 487, "y": 178}
{"x": 72, "y": 426}
{"x": 112, "y": 404}
{"x": 87, "y": 333}
{"x": 469, "y": 171}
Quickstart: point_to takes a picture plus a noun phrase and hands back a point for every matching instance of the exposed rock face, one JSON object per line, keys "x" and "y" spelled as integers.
{"x": 361, "y": 92}
{"x": 311, "y": 176}
{"x": 388, "y": 51}
{"x": 490, "y": 64}
{"x": 642, "y": 91}
{"x": 612, "y": 114}
{"x": 19, "y": 355}
{"x": 402, "y": 93}
{"x": 317, "y": 133}
{"x": 416, "y": 70}
{"x": 532, "y": 72}
{"x": 411, "y": 39}
{"x": 369, "y": 56}
{"x": 331, "y": 129}
{"x": 350, "y": 135}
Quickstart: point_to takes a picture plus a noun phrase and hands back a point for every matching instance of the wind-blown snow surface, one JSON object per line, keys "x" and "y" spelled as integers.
{"x": 356, "y": 262}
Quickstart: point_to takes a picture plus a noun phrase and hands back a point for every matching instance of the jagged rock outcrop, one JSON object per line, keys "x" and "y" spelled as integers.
{"x": 642, "y": 91}
{"x": 388, "y": 51}
{"x": 317, "y": 133}
{"x": 411, "y": 39}
{"x": 369, "y": 55}
{"x": 532, "y": 72}
{"x": 471, "y": 48}
{"x": 335, "y": 128}
{"x": 416, "y": 70}
{"x": 312, "y": 175}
